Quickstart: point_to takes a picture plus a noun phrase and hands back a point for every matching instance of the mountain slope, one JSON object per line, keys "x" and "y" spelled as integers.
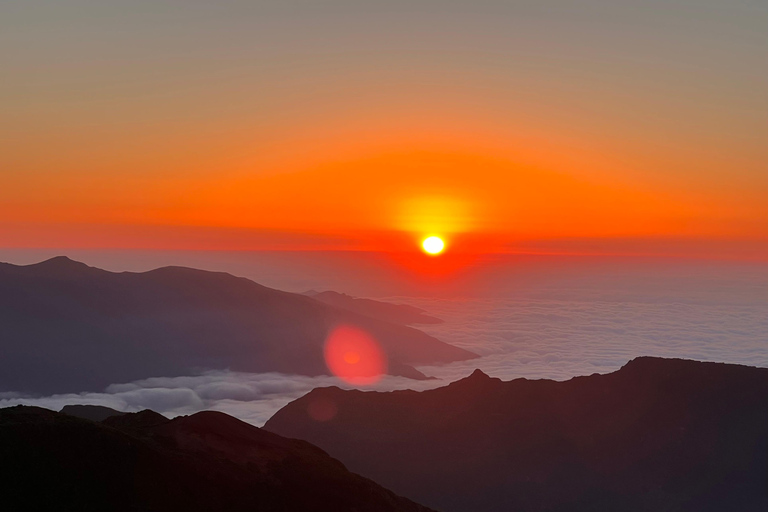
{"x": 396, "y": 313}
{"x": 205, "y": 462}
{"x": 656, "y": 435}
{"x": 67, "y": 327}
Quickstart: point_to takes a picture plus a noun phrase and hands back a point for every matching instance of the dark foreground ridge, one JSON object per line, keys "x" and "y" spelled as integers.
{"x": 68, "y": 327}
{"x": 144, "y": 462}
{"x": 656, "y": 435}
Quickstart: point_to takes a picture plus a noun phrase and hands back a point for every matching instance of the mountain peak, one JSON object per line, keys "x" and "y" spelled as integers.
{"x": 477, "y": 378}
{"x": 60, "y": 261}
{"x": 479, "y": 374}
{"x": 60, "y": 266}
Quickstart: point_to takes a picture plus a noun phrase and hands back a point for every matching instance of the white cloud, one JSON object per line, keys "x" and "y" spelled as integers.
{"x": 252, "y": 397}
{"x": 562, "y": 338}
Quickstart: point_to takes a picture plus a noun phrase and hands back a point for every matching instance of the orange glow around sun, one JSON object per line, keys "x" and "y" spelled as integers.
{"x": 354, "y": 356}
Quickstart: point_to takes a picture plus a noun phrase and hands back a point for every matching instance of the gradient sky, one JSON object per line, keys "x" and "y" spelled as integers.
{"x": 350, "y": 124}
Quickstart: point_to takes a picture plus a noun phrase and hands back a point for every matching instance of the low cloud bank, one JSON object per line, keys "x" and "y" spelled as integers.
{"x": 252, "y": 397}
{"x": 562, "y": 338}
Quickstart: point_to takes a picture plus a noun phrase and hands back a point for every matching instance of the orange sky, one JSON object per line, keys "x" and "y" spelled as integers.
{"x": 497, "y": 129}
{"x": 361, "y": 196}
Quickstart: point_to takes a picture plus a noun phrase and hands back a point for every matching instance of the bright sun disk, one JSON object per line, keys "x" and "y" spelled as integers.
{"x": 433, "y": 245}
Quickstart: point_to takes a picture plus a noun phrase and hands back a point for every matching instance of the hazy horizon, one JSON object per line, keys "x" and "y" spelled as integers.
{"x": 527, "y": 316}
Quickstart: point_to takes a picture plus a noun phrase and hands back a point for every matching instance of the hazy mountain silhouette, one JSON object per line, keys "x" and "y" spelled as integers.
{"x": 90, "y": 412}
{"x": 656, "y": 435}
{"x": 69, "y": 327}
{"x": 397, "y": 313}
{"x": 205, "y": 462}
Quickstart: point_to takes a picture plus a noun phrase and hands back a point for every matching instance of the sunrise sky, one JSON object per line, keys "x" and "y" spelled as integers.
{"x": 599, "y": 125}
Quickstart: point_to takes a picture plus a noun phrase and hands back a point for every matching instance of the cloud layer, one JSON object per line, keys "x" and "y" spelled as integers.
{"x": 564, "y": 329}
{"x": 559, "y": 339}
{"x": 252, "y": 397}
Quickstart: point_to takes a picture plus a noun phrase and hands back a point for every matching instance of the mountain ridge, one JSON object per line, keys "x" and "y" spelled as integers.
{"x": 71, "y": 328}
{"x": 398, "y": 313}
{"x": 657, "y": 434}
{"x": 208, "y": 461}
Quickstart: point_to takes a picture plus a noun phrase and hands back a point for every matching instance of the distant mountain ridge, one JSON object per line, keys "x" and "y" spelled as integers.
{"x": 397, "y": 313}
{"x": 656, "y": 435}
{"x": 206, "y": 462}
{"x": 90, "y": 412}
{"x": 68, "y": 327}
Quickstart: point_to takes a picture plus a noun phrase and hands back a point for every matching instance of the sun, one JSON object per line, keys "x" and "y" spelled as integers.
{"x": 433, "y": 245}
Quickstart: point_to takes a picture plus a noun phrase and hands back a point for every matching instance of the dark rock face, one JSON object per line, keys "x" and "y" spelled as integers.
{"x": 396, "y": 313}
{"x": 140, "y": 462}
{"x": 67, "y": 327}
{"x": 656, "y": 435}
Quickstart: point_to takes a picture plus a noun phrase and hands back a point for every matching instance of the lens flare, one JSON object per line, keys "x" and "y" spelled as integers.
{"x": 351, "y": 358}
{"x": 433, "y": 245}
{"x": 354, "y": 356}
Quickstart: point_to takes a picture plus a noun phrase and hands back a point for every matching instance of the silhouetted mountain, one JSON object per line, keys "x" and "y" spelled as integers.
{"x": 136, "y": 420}
{"x": 90, "y": 412}
{"x": 656, "y": 435}
{"x": 396, "y": 313}
{"x": 69, "y": 327}
{"x": 139, "y": 462}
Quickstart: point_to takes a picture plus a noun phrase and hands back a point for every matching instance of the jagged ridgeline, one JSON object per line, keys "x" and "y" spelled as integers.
{"x": 658, "y": 434}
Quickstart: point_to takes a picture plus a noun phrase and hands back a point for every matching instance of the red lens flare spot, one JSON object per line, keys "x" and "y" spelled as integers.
{"x": 354, "y": 356}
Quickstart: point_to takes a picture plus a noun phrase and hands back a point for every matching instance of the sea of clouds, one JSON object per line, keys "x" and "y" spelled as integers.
{"x": 557, "y": 328}
{"x": 252, "y": 397}
{"x": 560, "y": 339}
